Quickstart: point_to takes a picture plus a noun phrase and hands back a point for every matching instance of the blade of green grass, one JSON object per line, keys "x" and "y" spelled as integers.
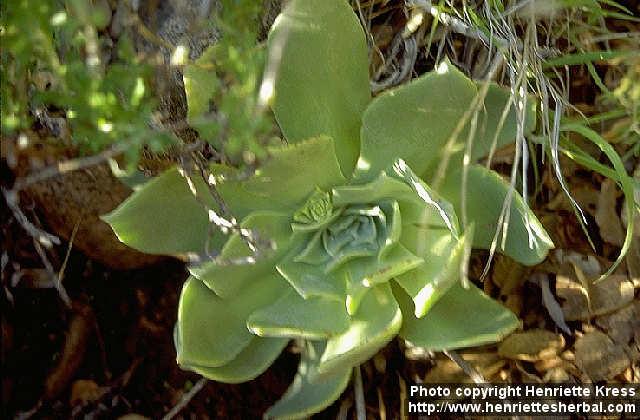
{"x": 624, "y": 180}
{"x": 617, "y": 6}
{"x": 605, "y": 116}
{"x": 585, "y": 57}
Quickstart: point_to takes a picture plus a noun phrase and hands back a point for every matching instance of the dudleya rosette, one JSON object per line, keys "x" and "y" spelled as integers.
{"x": 363, "y": 248}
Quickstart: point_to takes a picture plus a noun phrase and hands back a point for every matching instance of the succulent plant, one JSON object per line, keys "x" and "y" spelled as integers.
{"x": 363, "y": 248}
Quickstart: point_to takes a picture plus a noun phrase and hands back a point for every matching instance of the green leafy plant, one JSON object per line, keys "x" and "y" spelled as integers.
{"x": 363, "y": 249}
{"x": 59, "y": 64}
{"x": 53, "y": 62}
{"x": 220, "y": 86}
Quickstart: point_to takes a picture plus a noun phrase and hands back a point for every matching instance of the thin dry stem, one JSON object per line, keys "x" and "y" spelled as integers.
{"x": 186, "y": 399}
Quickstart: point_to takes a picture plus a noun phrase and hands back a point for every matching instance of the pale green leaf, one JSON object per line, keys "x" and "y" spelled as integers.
{"x": 426, "y": 201}
{"x": 225, "y": 277}
{"x": 322, "y": 79}
{"x": 492, "y": 129}
{"x": 378, "y": 269}
{"x": 429, "y": 282}
{"x": 309, "y": 394}
{"x": 252, "y": 361}
{"x": 381, "y": 188}
{"x": 293, "y": 316}
{"x": 311, "y": 280}
{"x": 414, "y": 121}
{"x": 316, "y": 213}
{"x": 163, "y": 217}
{"x": 393, "y": 226}
{"x": 377, "y": 321}
{"x": 366, "y": 272}
{"x": 278, "y": 184}
{"x": 287, "y": 179}
{"x": 485, "y": 195}
{"x": 463, "y": 317}
{"x": 213, "y": 331}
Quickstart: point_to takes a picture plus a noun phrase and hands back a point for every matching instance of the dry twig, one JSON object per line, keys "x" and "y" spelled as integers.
{"x": 361, "y": 409}
{"x": 69, "y": 166}
{"x": 186, "y": 398}
{"x": 64, "y": 296}
{"x": 42, "y": 237}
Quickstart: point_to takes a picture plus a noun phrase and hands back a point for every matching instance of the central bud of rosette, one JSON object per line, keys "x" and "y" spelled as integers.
{"x": 338, "y": 235}
{"x": 346, "y": 248}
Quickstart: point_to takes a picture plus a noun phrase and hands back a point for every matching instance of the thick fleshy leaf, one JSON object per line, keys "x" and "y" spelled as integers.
{"x": 413, "y": 122}
{"x": 163, "y": 217}
{"x": 463, "y": 317}
{"x": 427, "y": 197}
{"x": 294, "y": 316}
{"x": 384, "y": 187}
{"x": 272, "y": 187}
{"x": 226, "y": 278}
{"x": 364, "y": 273}
{"x": 429, "y": 282}
{"x": 422, "y": 226}
{"x": 308, "y": 394}
{"x": 489, "y": 118}
{"x": 527, "y": 242}
{"x": 377, "y": 321}
{"x": 311, "y": 280}
{"x": 351, "y": 237}
{"x": 254, "y": 359}
{"x": 213, "y": 331}
{"x": 322, "y": 81}
{"x": 313, "y": 252}
{"x": 393, "y": 227}
{"x": 287, "y": 179}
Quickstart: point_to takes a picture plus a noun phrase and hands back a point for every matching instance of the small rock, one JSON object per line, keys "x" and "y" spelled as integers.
{"x": 531, "y": 345}
{"x": 84, "y": 391}
{"x": 77, "y": 198}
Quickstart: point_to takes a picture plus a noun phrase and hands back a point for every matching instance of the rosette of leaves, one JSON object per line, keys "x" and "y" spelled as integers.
{"x": 363, "y": 248}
